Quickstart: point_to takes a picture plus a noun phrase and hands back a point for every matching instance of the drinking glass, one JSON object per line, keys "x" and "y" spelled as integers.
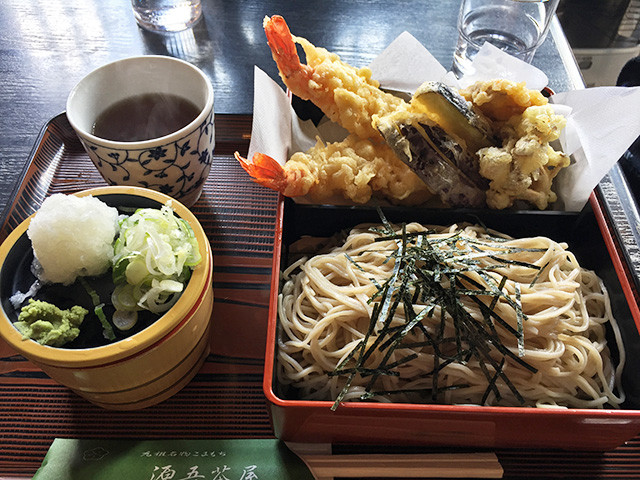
{"x": 166, "y": 15}
{"x": 517, "y": 27}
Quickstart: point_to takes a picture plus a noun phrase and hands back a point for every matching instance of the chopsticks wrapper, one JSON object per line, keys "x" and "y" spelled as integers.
{"x": 233, "y": 459}
{"x": 602, "y": 122}
{"x": 243, "y": 459}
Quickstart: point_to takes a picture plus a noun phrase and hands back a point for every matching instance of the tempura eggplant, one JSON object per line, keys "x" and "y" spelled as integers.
{"x": 438, "y": 137}
{"x": 447, "y": 108}
{"x": 436, "y": 157}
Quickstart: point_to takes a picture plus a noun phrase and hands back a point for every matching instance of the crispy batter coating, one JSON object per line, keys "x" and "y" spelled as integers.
{"x": 363, "y": 166}
{"x": 356, "y": 170}
{"x": 525, "y": 166}
{"x": 501, "y": 99}
{"x": 347, "y": 95}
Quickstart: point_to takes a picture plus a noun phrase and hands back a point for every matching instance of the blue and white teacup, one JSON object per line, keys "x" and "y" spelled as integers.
{"x": 176, "y": 164}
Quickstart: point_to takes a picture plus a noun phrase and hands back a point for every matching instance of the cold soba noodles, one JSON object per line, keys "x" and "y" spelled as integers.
{"x": 447, "y": 315}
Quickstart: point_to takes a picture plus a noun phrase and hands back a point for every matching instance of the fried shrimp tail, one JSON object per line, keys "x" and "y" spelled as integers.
{"x": 346, "y": 95}
{"x": 294, "y": 73}
{"x": 267, "y": 172}
{"x": 353, "y": 170}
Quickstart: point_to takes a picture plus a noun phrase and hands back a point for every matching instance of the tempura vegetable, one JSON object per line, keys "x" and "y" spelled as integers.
{"x": 501, "y": 99}
{"x": 436, "y": 157}
{"x": 524, "y": 167}
{"x": 443, "y": 105}
{"x": 511, "y": 161}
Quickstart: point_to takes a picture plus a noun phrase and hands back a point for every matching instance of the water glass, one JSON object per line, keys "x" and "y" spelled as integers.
{"x": 166, "y": 15}
{"x": 517, "y": 27}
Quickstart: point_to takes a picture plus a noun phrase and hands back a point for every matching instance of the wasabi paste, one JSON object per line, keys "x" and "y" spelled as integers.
{"x": 49, "y": 325}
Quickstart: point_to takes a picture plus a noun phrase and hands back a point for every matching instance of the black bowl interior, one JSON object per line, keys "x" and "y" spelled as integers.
{"x": 16, "y": 276}
{"x": 579, "y": 230}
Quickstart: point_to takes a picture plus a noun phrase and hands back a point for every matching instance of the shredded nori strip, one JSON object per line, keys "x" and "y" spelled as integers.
{"x": 435, "y": 272}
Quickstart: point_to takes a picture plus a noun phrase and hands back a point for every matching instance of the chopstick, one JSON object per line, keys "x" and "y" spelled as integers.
{"x": 325, "y": 466}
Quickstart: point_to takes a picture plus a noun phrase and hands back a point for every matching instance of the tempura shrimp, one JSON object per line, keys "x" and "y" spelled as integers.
{"x": 354, "y": 169}
{"x": 346, "y": 95}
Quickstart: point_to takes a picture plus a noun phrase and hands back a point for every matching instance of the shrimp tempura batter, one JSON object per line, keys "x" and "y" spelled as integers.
{"x": 346, "y": 95}
{"x": 353, "y": 169}
{"x": 356, "y": 170}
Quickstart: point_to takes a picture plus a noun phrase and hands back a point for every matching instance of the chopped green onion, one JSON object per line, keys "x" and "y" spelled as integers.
{"x": 107, "y": 329}
{"x": 154, "y": 255}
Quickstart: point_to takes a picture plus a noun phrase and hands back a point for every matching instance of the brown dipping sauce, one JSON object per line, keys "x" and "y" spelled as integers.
{"x": 143, "y": 117}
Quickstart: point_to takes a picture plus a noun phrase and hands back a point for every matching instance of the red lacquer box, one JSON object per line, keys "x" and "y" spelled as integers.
{"x": 589, "y": 236}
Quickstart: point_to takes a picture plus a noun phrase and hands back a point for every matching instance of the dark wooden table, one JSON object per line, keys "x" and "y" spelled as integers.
{"x": 47, "y": 46}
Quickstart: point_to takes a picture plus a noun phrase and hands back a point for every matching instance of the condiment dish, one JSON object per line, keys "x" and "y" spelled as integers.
{"x": 142, "y": 369}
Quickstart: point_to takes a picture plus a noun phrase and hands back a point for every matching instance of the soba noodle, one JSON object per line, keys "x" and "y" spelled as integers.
{"x": 490, "y": 321}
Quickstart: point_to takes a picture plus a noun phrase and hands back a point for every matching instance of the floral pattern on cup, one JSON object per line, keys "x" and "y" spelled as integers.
{"x": 178, "y": 168}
